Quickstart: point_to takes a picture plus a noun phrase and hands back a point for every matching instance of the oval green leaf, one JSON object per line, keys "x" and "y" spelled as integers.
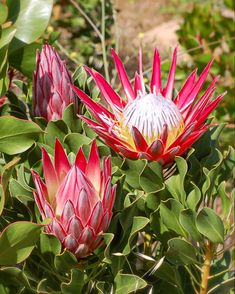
{"x": 181, "y": 252}
{"x": 128, "y": 283}
{"x": 29, "y": 17}
{"x": 210, "y": 225}
{"x": 17, "y": 135}
{"x": 17, "y": 242}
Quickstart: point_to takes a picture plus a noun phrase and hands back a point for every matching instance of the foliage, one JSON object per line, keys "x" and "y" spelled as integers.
{"x": 208, "y": 31}
{"x": 164, "y": 219}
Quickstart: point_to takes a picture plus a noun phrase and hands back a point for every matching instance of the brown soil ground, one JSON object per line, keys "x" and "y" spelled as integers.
{"x": 148, "y": 24}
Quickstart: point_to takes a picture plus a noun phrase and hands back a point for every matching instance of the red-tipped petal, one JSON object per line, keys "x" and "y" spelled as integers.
{"x": 96, "y": 216}
{"x": 209, "y": 109}
{"x": 168, "y": 90}
{"x": 108, "y": 93}
{"x": 93, "y": 166}
{"x": 193, "y": 94}
{"x": 87, "y": 236}
{"x": 156, "y": 83}
{"x": 70, "y": 243}
{"x": 49, "y": 175}
{"x": 80, "y": 160}
{"x": 84, "y": 207}
{"x": 127, "y": 153}
{"x": 199, "y": 107}
{"x": 97, "y": 109}
{"x": 156, "y": 148}
{"x": 40, "y": 187}
{"x": 140, "y": 143}
{"x": 82, "y": 251}
{"x": 58, "y": 230}
{"x": 75, "y": 227}
{"x": 62, "y": 165}
{"x": 68, "y": 212}
{"x": 186, "y": 89}
{"x": 164, "y": 134}
{"x": 137, "y": 85}
{"x": 39, "y": 205}
{"x": 123, "y": 77}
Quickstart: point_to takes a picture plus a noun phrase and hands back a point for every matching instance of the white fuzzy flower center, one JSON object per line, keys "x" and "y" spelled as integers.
{"x": 149, "y": 114}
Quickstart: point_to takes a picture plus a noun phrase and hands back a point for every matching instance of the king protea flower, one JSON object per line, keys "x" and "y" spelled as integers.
{"x": 150, "y": 123}
{"x": 78, "y": 198}
{"x": 52, "y": 91}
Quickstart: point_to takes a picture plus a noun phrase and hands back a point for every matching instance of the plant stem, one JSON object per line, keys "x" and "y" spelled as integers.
{"x": 106, "y": 71}
{"x": 87, "y": 18}
{"x": 206, "y": 268}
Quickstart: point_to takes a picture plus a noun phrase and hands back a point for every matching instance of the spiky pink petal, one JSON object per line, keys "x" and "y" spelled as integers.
{"x": 123, "y": 77}
{"x": 156, "y": 83}
{"x": 93, "y": 166}
{"x": 168, "y": 90}
{"x": 198, "y": 85}
{"x": 62, "y": 165}
{"x": 140, "y": 143}
{"x": 80, "y": 160}
{"x": 49, "y": 175}
{"x": 108, "y": 93}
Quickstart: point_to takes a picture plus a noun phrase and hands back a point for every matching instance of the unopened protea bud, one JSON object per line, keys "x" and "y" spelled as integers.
{"x": 52, "y": 91}
{"x": 78, "y": 198}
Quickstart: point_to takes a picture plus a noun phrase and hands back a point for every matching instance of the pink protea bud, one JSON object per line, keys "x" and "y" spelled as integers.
{"x": 78, "y": 198}
{"x": 52, "y": 91}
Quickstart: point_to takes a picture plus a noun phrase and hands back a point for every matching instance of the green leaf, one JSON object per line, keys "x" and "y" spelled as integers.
{"x": 193, "y": 197}
{"x": 13, "y": 280}
{"x": 169, "y": 212}
{"x": 210, "y": 225}
{"x": 108, "y": 237}
{"x": 6, "y": 173}
{"x": 4, "y": 13}
{"x": 175, "y": 184}
{"x": 17, "y": 190}
{"x": 17, "y": 242}
{"x": 29, "y": 17}
{"x": 168, "y": 273}
{"x": 2, "y": 199}
{"x": 71, "y": 119}
{"x": 65, "y": 261}
{"x": 17, "y": 135}
{"x": 74, "y": 141}
{"x": 24, "y": 58}
{"x": 187, "y": 219}
{"x": 55, "y": 129}
{"x": 151, "y": 178}
{"x": 226, "y": 201}
{"x": 125, "y": 283}
{"x": 181, "y": 252}
{"x": 139, "y": 222}
{"x": 7, "y": 35}
{"x": 76, "y": 283}
{"x": 49, "y": 244}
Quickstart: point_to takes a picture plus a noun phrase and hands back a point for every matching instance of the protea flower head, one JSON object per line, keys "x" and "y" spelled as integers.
{"x": 52, "y": 91}
{"x": 78, "y": 198}
{"x": 150, "y": 123}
